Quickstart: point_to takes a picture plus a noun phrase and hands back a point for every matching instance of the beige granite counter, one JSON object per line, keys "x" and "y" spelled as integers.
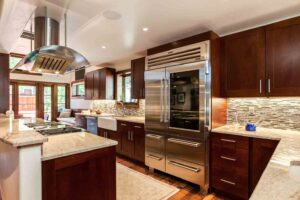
{"x": 275, "y": 183}
{"x": 14, "y": 132}
{"x": 134, "y": 119}
{"x": 73, "y": 143}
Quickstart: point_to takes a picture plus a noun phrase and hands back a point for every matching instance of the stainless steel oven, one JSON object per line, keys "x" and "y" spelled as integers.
{"x": 177, "y": 119}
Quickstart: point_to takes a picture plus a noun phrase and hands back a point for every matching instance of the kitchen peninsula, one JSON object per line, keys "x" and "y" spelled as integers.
{"x": 33, "y": 166}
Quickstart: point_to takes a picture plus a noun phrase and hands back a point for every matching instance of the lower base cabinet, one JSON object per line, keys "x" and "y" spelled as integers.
{"x": 238, "y": 162}
{"x": 114, "y": 135}
{"x": 83, "y": 176}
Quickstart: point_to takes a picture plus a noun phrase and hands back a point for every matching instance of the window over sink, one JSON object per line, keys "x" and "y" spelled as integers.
{"x": 124, "y": 88}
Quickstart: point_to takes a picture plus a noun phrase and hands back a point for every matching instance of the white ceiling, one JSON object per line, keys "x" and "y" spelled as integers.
{"x": 168, "y": 20}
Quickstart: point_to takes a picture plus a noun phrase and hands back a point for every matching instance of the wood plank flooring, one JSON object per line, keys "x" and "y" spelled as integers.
{"x": 187, "y": 191}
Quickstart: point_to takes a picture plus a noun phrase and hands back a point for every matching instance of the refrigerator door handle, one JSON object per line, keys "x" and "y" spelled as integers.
{"x": 162, "y": 109}
{"x": 166, "y": 94}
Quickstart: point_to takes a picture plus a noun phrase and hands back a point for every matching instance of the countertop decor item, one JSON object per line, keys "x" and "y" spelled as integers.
{"x": 250, "y": 127}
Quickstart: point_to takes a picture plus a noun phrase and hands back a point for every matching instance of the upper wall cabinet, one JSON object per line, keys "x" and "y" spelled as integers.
{"x": 138, "y": 81}
{"x": 243, "y": 63}
{"x": 263, "y": 61}
{"x": 99, "y": 84}
{"x": 283, "y": 58}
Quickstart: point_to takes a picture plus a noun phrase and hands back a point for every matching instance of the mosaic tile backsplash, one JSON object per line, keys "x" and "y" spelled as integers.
{"x": 280, "y": 113}
{"x": 110, "y": 106}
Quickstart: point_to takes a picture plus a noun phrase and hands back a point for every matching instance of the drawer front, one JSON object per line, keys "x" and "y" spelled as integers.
{"x": 185, "y": 150}
{"x": 235, "y": 159}
{"x": 231, "y": 186}
{"x": 230, "y": 142}
{"x": 155, "y": 151}
{"x": 186, "y": 170}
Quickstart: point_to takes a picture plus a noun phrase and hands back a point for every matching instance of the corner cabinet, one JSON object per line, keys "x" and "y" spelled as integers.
{"x": 244, "y": 63}
{"x": 237, "y": 163}
{"x": 262, "y": 62}
{"x": 283, "y": 58}
{"x": 137, "y": 78}
{"x": 99, "y": 84}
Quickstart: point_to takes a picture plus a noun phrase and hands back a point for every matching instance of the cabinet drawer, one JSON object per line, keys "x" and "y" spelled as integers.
{"x": 231, "y": 185}
{"x": 230, "y": 142}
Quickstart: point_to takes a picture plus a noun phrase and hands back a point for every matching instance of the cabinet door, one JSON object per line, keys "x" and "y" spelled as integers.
{"x": 283, "y": 58}
{"x": 127, "y": 143}
{"x": 137, "y": 78}
{"x": 89, "y": 85}
{"x": 114, "y": 135}
{"x": 261, "y": 152}
{"x": 101, "y": 132}
{"x": 96, "y": 83}
{"x": 243, "y": 58}
{"x": 139, "y": 142}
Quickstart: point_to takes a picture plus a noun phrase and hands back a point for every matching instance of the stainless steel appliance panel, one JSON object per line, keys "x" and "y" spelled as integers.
{"x": 156, "y": 101}
{"x": 187, "y": 171}
{"x": 155, "y": 151}
{"x": 185, "y": 150}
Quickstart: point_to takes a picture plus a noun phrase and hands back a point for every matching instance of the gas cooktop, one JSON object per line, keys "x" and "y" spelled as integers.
{"x": 53, "y": 128}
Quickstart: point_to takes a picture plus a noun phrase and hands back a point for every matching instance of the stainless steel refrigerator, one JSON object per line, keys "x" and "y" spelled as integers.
{"x": 177, "y": 124}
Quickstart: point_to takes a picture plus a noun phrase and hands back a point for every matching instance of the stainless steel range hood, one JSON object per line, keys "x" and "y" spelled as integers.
{"x": 48, "y": 57}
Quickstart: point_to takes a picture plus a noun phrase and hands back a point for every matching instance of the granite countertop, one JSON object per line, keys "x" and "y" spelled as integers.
{"x": 134, "y": 119}
{"x": 14, "y": 132}
{"x": 73, "y": 143}
{"x": 275, "y": 182}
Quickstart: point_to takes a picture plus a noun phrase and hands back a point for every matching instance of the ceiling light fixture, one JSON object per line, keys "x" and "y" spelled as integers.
{"x": 145, "y": 29}
{"x": 39, "y": 70}
{"x": 103, "y": 47}
{"x": 57, "y": 72}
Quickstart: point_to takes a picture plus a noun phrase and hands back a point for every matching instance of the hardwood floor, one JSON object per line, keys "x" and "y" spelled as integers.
{"x": 187, "y": 191}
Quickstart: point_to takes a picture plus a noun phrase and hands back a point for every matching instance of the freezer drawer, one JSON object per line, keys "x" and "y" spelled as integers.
{"x": 188, "y": 171}
{"x": 155, "y": 152}
{"x": 185, "y": 150}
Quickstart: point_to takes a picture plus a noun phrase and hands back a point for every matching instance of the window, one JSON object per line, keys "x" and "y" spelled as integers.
{"x": 61, "y": 98}
{"x": 27, "y": 100}
{"x": 124, "y": 88}
{"x": 78, "y": 90}
{"x": 47, "y": 102}
{"x": 13, "y": 61}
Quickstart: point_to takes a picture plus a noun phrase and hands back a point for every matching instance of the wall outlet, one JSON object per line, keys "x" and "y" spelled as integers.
{"x": 251, "y": 109}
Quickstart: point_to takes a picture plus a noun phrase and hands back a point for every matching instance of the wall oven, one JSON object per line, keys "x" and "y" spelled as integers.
{"x": 177, "y": 120}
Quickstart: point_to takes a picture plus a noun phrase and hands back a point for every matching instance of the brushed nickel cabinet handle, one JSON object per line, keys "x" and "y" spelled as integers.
{"x": 184, "y": 142}
{"x": 260, "y": 86}
{"x": 123, "y": 124}
{"x": 137, "y": 127}
{"x": 226, "y": 140}
{"x": 154, "y": 157}
{"x": 227, "y": 158}
{"x": 269, "y": 85}
{"x": 226, "y": 181}
{"x": 177, "y": 164}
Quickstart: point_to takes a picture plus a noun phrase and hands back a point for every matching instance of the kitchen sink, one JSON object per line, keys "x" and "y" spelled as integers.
{"x": 294, "y": 170}
{"x": 109, "y": 123}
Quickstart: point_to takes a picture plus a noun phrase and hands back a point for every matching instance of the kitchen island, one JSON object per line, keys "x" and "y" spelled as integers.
{"x": 64, "y": 166}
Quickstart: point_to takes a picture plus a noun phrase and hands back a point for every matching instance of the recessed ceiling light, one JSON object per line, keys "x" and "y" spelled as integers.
{"x": 145, "y": 29}
{"x": 39, "y": 70}
{"x": 103, "y": 47}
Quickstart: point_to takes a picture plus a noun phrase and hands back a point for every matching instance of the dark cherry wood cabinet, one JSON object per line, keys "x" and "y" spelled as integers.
{"x": 261, "y": 152}
{"x": 230, "y": 164}
{"x": 263, "y": 61}
{"x": 243, "y": 62}
{"x": 89, "y": 175}
{"x": 137, "y": 78}
{"x": 237, "y": 163}
{"x": 114, "y": 135}
{"x": 99, "y": 84}
{"x": 4, "y": 82}
{"x": 133, "y": 140}
{"x": 283, "y": 58}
